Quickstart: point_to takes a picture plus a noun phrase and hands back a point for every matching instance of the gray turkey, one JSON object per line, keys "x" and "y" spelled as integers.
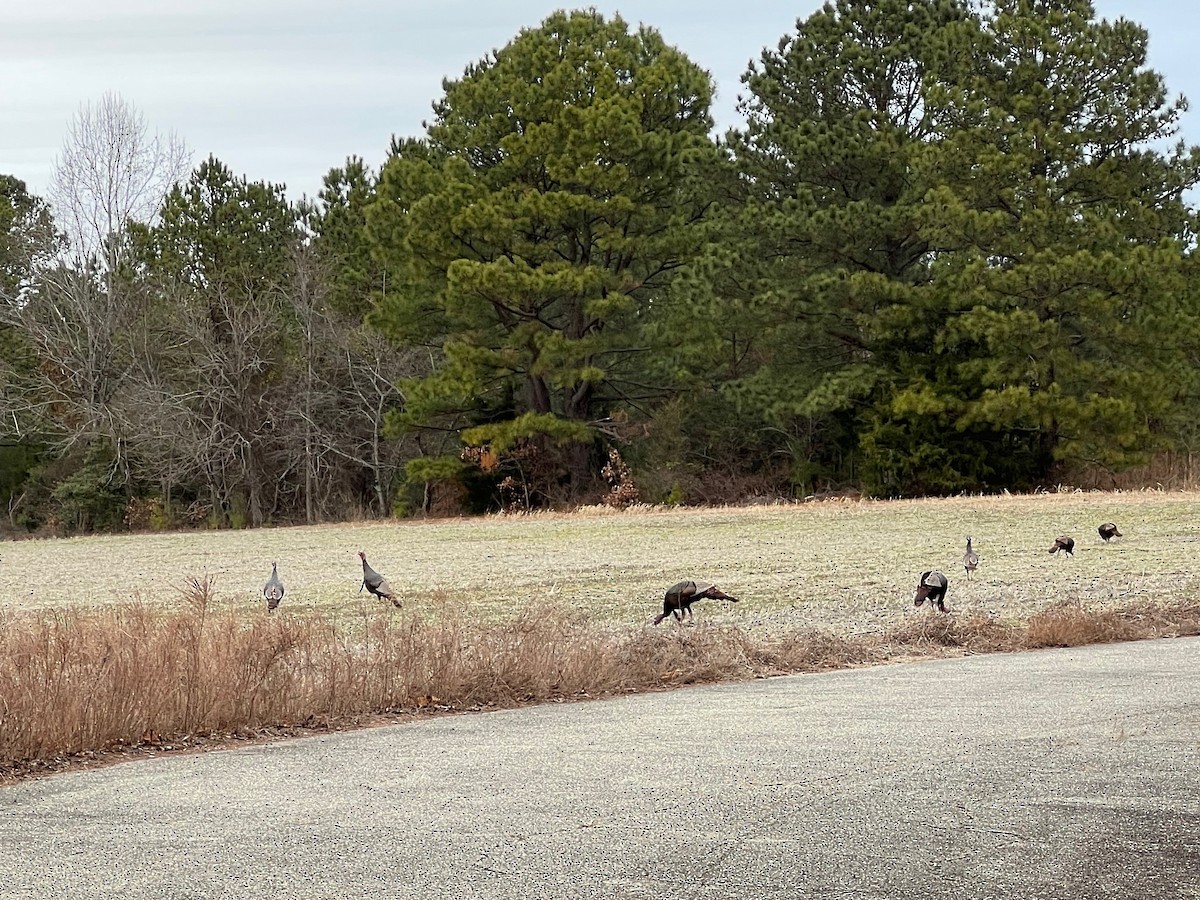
{"x": 1108, "y": 531}
{"x": 970, "y": 560}
{"x": 273, "y": 589}
{"x": 376, "y": 583}
{"x": 681, "y": 596}
{"x": 1064, "y": 543}
{"x": 931, "y": 586}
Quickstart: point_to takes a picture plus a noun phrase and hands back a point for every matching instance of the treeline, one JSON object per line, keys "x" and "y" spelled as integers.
{"x": 950, "y": 249}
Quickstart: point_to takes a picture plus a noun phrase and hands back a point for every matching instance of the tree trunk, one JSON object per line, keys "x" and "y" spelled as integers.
{"x": 539, "y": 394}
{"x": 578, "y": 403}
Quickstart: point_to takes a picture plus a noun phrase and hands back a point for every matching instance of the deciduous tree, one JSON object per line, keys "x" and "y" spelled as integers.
{"x": 219, "y": 337}
{"x": 112, "y": 171}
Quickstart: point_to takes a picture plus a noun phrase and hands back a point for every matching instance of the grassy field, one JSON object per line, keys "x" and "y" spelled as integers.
{"x": 849, "y": 567}
{"x": 115, "y": 647}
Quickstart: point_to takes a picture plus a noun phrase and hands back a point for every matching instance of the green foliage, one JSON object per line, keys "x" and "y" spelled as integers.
{"x": 1068, "y": 247}
{"x": 957, "y": 243}
{"x": 529, "y": 234}
{"x": 341, "y": 242}
{"x": 824, "y": 292}
{"x": 89, "y": 498}
{"x": 433, "y": 468}
{"x": 26, "y": 236}
{"x": 951, "y": 250}
{"x": 502, "y": 436}
{"x": 221, "y": 234}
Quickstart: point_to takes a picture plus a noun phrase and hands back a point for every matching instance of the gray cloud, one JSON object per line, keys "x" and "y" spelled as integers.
{"x": 283, "y": 91}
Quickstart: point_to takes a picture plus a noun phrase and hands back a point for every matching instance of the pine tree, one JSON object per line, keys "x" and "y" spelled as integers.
{"x": 964, "y": 241}
{"x": 1065, "y": 229}
{"x": 822, "y": 270}
{"x": 532, "y": 229}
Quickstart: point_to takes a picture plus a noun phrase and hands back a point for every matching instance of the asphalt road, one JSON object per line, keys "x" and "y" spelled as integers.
{"x": 1061, "y": 774}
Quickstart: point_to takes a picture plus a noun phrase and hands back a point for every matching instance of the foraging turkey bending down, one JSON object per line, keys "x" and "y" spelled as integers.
{"x": 931, "y": 586}
{"x": 273, "y": 589}
{"x": 970, "y": 560}
{"x": 376, "y": 583}
{"x": 1108, "y": 531}
{"x": 1062, "y": 542}
{"x": 680, "y": 597}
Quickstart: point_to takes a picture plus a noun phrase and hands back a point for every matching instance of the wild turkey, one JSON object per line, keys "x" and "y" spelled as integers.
{"x": 376, "y": 583}
{"x": 1108, "y": 531}
{"x": 931, "y": 586}
{"x": 970, "y": 560}
{"x": 680, "y": 597}
{"x": 1064, "y": 543}
{"x": 273, "y": 589}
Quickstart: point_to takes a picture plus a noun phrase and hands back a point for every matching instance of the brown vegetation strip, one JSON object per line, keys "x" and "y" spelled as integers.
{"x": 78, "y": 686}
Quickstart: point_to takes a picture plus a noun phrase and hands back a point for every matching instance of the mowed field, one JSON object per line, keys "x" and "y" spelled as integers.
{"x": 845, "y": 566}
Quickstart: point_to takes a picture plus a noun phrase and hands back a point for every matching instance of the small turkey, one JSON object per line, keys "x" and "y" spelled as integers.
{"x": 1108, "y": 531}
{"x": 931, "y": 586}
{"x": 680, "y": 597}
{"x": 376, "y": 583}
{"x": 970, "y": 559}
{"x": 1064, "y": 543}
{"x": 273, "y": 589}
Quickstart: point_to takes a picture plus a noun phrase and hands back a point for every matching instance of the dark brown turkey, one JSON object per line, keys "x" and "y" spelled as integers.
{"x": 1108, "y": 531}
{"x": 273, "y": 589}
{"x": 376, "y": 583}
{"x": 1064, "y": 543}
{"x": 932, "y": 586}
{"x": 681, "y": 596}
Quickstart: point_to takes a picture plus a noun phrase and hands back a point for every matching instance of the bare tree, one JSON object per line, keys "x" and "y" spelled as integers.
{"x": 343, "y": 393}
{"x": 372, "y": 368}
{"x": 111, "y": 171}
{"x": 78, "y": 338}
{"x": 77, "y": 315}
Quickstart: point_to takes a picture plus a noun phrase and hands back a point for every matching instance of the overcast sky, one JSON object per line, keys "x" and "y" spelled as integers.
{"x": 284, "y": 90}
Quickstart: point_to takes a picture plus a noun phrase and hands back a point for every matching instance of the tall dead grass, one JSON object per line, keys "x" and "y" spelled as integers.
{"x": 75, "y": 683}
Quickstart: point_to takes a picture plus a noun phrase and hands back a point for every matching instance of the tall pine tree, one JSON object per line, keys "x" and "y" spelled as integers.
{"x": 1064, "y": 227}
{"x": 530, "y": 232}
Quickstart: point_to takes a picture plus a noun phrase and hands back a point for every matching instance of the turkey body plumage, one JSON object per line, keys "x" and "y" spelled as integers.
{"x": 273, "y": 589}
{"x": 376, "y": 583}
{"x": 680, "y": 597}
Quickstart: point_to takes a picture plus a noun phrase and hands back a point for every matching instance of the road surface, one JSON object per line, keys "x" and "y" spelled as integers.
{"x": 1056, "y": 774}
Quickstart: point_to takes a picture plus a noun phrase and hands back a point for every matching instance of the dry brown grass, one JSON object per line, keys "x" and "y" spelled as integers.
{"x": 1069, "y": 624}
{"x": 81, "y": 684}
